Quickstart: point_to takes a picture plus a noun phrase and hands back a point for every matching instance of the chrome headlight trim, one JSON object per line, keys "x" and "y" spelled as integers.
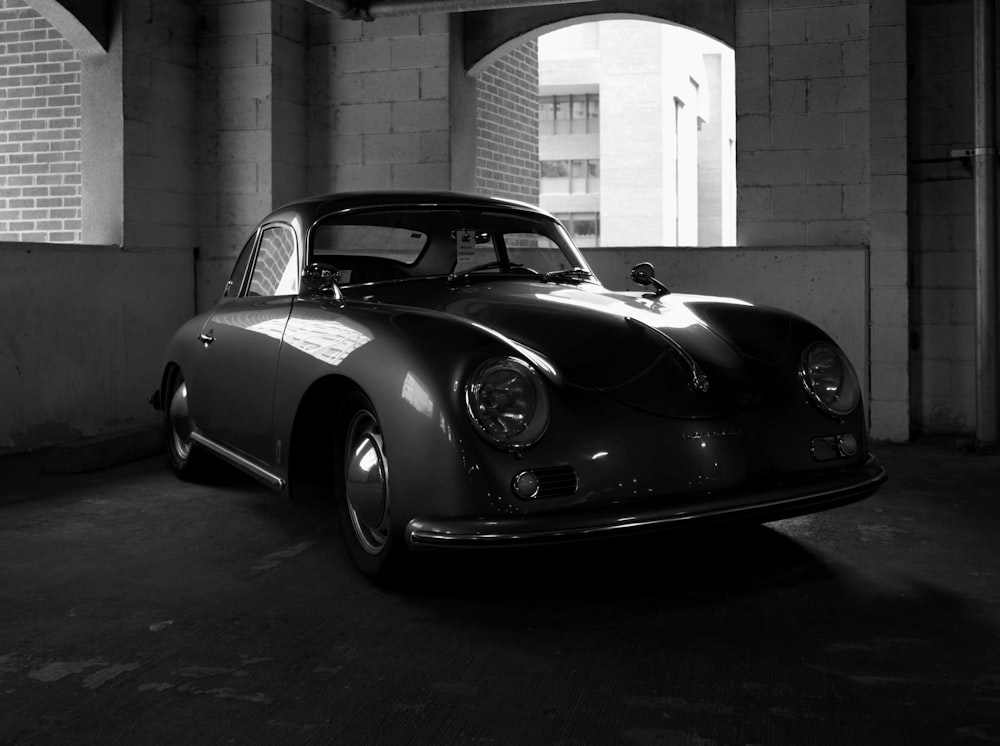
{"x": 829, "y": 379}
{"x": 508, "y": 403}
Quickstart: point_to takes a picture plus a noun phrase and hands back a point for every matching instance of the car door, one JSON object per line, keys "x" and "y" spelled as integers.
{"x": 232, "y": 395}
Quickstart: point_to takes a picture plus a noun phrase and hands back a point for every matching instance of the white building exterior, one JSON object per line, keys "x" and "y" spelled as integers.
{"x": 637, "y": 134}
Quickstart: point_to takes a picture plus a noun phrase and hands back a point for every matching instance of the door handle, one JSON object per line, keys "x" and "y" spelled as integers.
{"x": 206, "y": 338}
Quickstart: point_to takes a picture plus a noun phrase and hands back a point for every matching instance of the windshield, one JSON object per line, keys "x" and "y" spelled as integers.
{"x": 379, "y": 245}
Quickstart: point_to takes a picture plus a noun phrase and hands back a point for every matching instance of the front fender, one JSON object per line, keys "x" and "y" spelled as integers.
{"x": 412, "y": 365}
{"x": 181, "y": 352}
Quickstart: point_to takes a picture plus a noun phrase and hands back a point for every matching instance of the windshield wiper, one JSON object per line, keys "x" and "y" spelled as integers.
{"x": 574, "y": 273}
{"x": 503, "y": 266}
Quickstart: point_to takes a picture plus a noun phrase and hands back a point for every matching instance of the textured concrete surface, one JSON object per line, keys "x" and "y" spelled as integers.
{"x": 138, "y": 609}
{"x": 103, "y": 451}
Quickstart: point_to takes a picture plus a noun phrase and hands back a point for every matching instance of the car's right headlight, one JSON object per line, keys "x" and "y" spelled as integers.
{"x": 829, "y": 379}
{"x": 508, "y": 403}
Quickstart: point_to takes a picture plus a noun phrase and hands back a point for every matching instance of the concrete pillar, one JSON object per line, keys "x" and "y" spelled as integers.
{"x": 102, "y": 135}
{"x": 889, "y": 235}
{"x": 463, "y": 112}
{"x": 158, "y": 83}
{"x": 252, "y": 148}
{"x": 288, "y": 101}
{"x": 984, "y": 157}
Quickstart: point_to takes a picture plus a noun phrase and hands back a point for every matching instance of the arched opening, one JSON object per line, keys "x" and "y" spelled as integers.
{"x": 633, "y": 123}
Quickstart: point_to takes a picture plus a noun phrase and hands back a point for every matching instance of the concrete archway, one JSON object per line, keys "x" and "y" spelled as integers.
{"x": 492, "y": 95}
{"x": 85, "y": 24}
{"x": 488, "y": 32}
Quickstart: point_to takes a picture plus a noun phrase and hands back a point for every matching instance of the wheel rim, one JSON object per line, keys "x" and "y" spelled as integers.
{"x": 365, "y": 485}
{"x": 180, "y": 423}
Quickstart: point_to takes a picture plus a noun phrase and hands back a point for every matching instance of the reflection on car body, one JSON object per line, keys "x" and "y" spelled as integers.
{"x": 450, "y": 371}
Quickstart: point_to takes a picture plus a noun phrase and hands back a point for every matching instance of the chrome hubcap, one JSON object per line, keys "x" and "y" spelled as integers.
{"x": 180, "y": 423}
{"x": 365, "y": 482}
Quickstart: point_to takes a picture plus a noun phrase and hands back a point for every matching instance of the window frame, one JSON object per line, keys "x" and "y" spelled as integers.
{"x": 578, "y": 176}
{"x": 297, "y": 260}
{"x": 249, "y": 251}
{"x": 563, "y": 107}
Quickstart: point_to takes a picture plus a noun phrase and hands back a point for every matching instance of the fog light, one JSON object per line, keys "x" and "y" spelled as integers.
{"x": 525, "y": 485}
{"x": 848, "y": 445}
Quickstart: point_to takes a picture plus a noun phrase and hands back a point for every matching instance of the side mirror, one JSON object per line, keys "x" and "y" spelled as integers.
{"x": 320, "y": 281}
{"x": 644, "y": 274}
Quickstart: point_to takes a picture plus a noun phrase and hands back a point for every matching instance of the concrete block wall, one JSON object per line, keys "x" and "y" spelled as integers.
{"x": 234, "y": 101}
{"x": 941, "y": 218}
{"x": 507, "y": 126}
{"x": 289, "y": 115}
{"x": 889, "y": 236}
{"x": 252, "y": 147}
{"x": 160, "y": 184}
{"x": 821, "y": 159}
{"x": 39, "y": 129}
{"x": 802, "y": 123}
{"x": 85, "y": 329}
{"x": 379, "y": 109}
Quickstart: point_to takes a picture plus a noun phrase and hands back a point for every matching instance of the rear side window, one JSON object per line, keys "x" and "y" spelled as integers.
{"x": 276, "y": 271}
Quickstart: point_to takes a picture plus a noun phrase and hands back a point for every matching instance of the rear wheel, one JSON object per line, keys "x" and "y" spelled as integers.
{"x": 363, "y": 500}
{"x": 184, "y": 458}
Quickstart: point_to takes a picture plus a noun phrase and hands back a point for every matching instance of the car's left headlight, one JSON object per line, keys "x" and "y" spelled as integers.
{"x": 508, "y": 403}
{"x": 829, "y": 379}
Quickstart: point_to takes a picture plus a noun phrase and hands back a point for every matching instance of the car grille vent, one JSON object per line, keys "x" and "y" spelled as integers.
{"x": 556, "y": 481}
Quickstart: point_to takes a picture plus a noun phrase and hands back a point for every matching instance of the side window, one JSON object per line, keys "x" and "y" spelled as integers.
{"x": 276, "y": 271}
{"x": 235, "y": 283}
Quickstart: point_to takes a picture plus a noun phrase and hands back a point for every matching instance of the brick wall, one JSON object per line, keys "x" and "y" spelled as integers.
{"x": 507, "y": 131}
{"x": 39, "y": 129}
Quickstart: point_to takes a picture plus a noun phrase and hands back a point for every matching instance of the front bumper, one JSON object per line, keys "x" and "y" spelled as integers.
{"x": 760, "y": 505}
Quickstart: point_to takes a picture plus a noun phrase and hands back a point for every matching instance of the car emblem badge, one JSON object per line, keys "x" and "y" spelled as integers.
{"x": 714, "y": 434}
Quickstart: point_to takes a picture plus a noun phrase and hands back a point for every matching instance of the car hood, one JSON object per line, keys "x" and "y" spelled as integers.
{"x": 655, "y": 354}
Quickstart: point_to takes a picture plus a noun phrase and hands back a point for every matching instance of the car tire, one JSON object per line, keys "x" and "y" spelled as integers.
{"x": 184, "y": 458}
{"x": 363, "y": 504}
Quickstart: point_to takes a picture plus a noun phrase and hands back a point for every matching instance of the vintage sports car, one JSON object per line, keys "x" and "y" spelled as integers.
{"x": 449, "y": 370}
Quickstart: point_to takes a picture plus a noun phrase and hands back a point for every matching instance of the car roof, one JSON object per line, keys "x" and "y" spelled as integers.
{"x": 312, "y": 208}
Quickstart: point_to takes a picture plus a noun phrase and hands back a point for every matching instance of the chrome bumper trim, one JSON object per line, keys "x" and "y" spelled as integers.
{"x": 241, "y": 462}
{"x": 550, "y": 528}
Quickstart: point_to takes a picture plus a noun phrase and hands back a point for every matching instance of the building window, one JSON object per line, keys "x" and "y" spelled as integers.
{"x": 576, "y": 114}
{"x": 584, "y": 227}
{"x": 571, "y": 176}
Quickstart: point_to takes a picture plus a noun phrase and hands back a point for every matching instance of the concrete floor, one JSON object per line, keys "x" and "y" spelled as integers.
{"x": 138, "y": 609}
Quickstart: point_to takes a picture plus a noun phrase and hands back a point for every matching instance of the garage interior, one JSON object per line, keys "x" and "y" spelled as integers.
{"x": 141, "y": 140}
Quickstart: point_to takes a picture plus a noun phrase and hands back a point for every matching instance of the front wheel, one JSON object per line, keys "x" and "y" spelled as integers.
{"x": 184, "y": 459}
{"x": 363, "y": 500}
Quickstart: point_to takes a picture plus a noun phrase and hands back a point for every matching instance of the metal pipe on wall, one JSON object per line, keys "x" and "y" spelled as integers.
{"x": 984, "y": 157}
